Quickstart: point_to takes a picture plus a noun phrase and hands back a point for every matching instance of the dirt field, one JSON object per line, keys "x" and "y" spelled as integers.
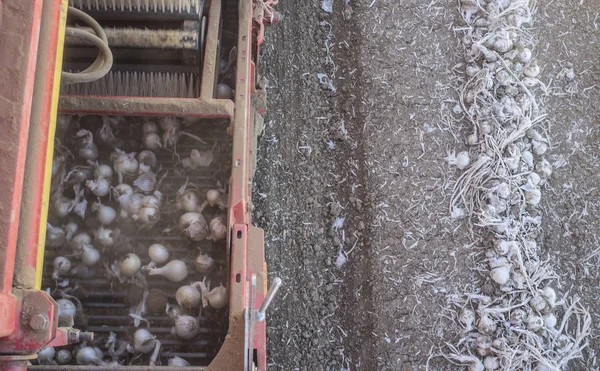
{"x": 355, "y": 163}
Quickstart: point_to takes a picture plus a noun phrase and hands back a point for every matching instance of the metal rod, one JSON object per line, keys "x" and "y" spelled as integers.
{"x": 260, "y": 315}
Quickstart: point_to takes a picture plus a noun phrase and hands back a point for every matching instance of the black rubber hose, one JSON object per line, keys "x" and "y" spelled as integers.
{"x": 103, "y": 62}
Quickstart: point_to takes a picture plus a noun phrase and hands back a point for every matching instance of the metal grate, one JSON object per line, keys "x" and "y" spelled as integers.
{"x": 106, "y": 304}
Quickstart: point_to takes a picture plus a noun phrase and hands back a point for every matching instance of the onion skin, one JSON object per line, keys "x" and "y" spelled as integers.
{"x": 204, "y": 263}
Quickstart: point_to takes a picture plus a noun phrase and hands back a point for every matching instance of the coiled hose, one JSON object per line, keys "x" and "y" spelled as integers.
{"x": 103, "y": 62}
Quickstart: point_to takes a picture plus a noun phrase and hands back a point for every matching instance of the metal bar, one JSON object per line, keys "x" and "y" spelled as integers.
{"x": 147, "y": 106}
{"x": 211, "y": 59}
{"x": 260, "y": 315}
{"x": 19, "y": 35}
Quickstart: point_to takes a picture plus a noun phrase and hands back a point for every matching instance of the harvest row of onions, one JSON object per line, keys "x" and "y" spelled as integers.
{"x": 516, "y": 321}
{"x": 98, "y": 202}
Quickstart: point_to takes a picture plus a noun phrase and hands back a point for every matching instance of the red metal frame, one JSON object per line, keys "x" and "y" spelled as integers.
{"x": 246, "y": 242}
{"x": 19, "y": 34}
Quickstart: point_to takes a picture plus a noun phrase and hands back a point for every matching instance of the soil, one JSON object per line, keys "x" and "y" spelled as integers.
{"x": 368, "y": 146}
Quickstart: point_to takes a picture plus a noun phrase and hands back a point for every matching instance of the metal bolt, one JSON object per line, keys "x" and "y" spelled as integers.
{"x": 38, "y": 322}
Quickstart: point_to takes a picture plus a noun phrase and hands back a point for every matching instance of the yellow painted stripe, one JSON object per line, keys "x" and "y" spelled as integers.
{"x": 50, "y": 150}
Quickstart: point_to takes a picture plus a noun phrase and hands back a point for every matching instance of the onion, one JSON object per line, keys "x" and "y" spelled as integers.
{"x": 483, "y": 344}
{"x": 202, "y": 159}
{"x": 46, "y": 355}
{"x": 217, "y": 297}
{"x": 175, "y": 271}
{"x": 204, "y": 263}
{"x": 62, "y": 207}
{"x": 124, "y": 164}
{"x": 105, "y": 236}
{"x": 123, "y": 189}
{"x": 152, "y": 141}
{"x": 103, "y": 171}
{"x": 70, "y": 229}
{"x": 486, "y": 324}
{"x": 193, "y": 226}
{"x": 99, "y": 187}
{"x": 550, "y": 295}
{"x": 218, "y": 229}
{"x": 55, "y": 236}
{"x": 143, "y": 341}
{"x": 62, "y": 266}
{"x": 88, "y": 356}
{"x": 178, "y": 362}
{"x": 224, "y": 91}
{"x": 216, "y": 198}
{"x": 517, "y": 317}
{"x": 86, "y": 149}
{"x": 491, "y": 363}
{"x": 550, "y": 320}
{"x": 149, "y": 127}
{"x": 105, "y": 214}
{"x": 188, "y": 201}
{"x": 158, "y": 253}
{"x": 188, "y": 297}
{"x": 535, "y": 323}
{"x": 147, "y": 158}
{"x": 64, "y": 357}
{"x": 186, "y": 327}
{"x": 146, "y": 182}
{"x": 129, "y": 265}
{"x": 66, "y": 307}
{"x": 90, "y": 256}
{"x": 148, "y": 215}
{"x": 532, "y": 70}
{"x": 81, "y": 240}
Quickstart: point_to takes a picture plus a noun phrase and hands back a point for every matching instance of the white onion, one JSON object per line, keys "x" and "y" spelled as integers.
{"x": 491, "y": 363}
{"x": 103, "y": 171}
{"x": 55, "y": 236}
{"x": 483, "y": 344}
{"x": 66, "y": 307}
{"x": 61, "y": 266}
{"x": 62, "y": 207}
{"x": 550, "y": 320}
{"x": 532, "y": 70}
{"x": 533, "y": 196}
{"x": 147, "y": 158}
{"x": 467, "y": 318}
{"x": 550, "y": 295}
{"x": 217, "y": 297}
{"x": 188, "y": 297}
{"x": 486, "y": 324}
{"x": 124, "y": 164}
{"x": 143, "y": 341}
{"x": 152, "y": 141}
{"x": 204, "y": 263}
{"x": 158, "y": 253}
{"x": 90, "y": 256}
{"x": 86, "y": 149}
{"x": 524, "y": 55}
{"x": 188, "y": 201}
{"x": 88, "y": 356}
{"x": 148, "y": 215}
{"x": 202, "y": 159}
{"x": 123, "y": 189}
{"x": 70, "y": 229}
{"x": 535, "y": 323}
{"x": 216, "y": 198}
{"x": 129, "y": 265}
{"x": 178, "y": 362}
{"x": 538, "y": 303}
{"x": 146, "y": 182}
{"x": 99, "y": 187}
{"x": 154, "y": 201}
{"x": 175, "y": 271}
{"x": 105, "y": 214}
{"x": 46, "y": 355}
{"x": 194, "y": 226}
{"x": 501, "y": 275}
{"x": 517, "y": 317}
{"x": 149, "y": 127}
{"x": 218, "y": 228}
{"x": 64, "y": 357}
{"x": 105, "y": 237}
{"x": 81, "y": 240}
{"x": 186, "y": 327}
